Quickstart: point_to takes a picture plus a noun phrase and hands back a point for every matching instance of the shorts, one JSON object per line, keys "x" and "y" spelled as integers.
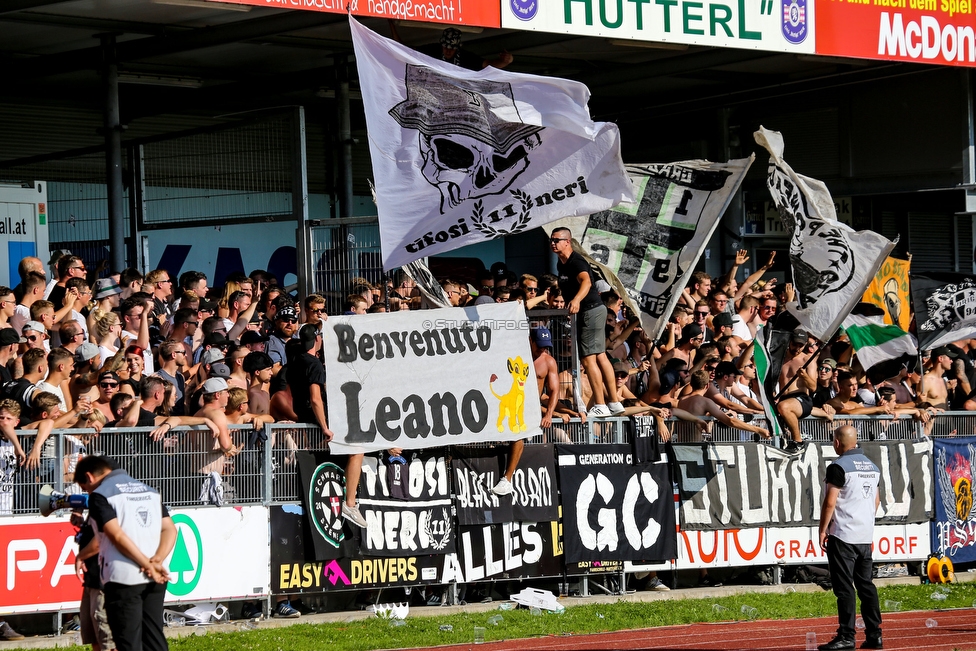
{"x": 94, "y": 622}
{"x": 806, "y": 402}
{"x": 592, "y": 334}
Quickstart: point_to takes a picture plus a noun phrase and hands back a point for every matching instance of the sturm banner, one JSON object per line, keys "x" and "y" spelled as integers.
{"x": 945, "y": 308}
{"x": 954, "y": 525}
{"x": 613, "y": 509}
{"x": 534, "y": 499}
{"x": 741, "y": 485}
{"x": 414, "y": 380}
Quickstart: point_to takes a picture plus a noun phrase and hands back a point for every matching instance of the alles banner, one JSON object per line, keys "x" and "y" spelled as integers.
{"x": 924, "y": 31}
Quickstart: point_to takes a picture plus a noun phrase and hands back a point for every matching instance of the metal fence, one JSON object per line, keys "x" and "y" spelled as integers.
{"x": 341, "y": 250}
{"x": 187, "y": 470}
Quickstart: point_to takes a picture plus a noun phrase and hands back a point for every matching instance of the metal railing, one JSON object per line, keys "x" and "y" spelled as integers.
{"x": 188, "y": 471}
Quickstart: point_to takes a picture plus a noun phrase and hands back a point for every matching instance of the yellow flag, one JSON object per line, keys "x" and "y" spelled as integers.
{"x": 889, "y": 290}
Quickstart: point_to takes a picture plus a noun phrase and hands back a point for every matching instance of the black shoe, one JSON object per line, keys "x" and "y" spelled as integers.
{"x": 836, "y": 644}
{"x": 707, "y": 582}
{"x": 873, "y": 643}
{"x": 794, "y": 447}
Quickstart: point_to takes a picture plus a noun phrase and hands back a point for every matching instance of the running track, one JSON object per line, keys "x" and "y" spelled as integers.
{"x": 902, "y": 631}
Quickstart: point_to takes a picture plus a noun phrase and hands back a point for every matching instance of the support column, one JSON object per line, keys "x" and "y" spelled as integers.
{"x": 113, "y": 154}
{"x": 345, "y": 138}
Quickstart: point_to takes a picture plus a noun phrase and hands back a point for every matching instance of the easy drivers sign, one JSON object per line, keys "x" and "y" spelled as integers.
{"x": 772, "y": 25}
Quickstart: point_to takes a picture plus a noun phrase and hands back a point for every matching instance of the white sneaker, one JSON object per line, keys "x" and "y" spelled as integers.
{"x": 657, "y": 585}
{"x": 615, "y": 408}
{"x": 598, "y": 411}
{"x": 503, "y": 487}
{"x": 352, "y": 514}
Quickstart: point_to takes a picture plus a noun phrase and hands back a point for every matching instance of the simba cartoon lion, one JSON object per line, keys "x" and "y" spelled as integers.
{"x": 512, "y": 404}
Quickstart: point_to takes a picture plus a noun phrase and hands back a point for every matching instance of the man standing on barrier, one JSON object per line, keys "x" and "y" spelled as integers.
{"x": 135, "y": 534}
{"x": 846, "y": 534}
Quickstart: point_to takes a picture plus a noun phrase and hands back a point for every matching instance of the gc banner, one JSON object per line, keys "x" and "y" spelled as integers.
{"x": 613, "y": 510}
{"x": 741, "y": 485}
{"x": 465, "y": 375}
{"x": 534, "y": 499}
{"x": 954, "y": 525}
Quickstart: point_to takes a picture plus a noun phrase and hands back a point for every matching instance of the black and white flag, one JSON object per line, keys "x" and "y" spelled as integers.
{"x": 653, "y": 243}
{"x": 612, "y": 509}
{"x": 832, "y": 263}
{"x": 477, "y": 470}
{"x": 461, "y": 157}
{"x": 945, "y": 308}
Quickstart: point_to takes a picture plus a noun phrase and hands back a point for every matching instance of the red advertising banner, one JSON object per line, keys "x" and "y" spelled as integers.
{"x": 941, "y": 32}
{"x": 477, "y": 13}
{"x": 38, "y": 565}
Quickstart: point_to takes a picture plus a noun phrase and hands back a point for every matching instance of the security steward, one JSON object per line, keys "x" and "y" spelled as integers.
{"x": 135, "y": 534}
{"x": 846, "y": 534}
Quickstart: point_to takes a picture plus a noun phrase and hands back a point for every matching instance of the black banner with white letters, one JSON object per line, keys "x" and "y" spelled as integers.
{"x": 407, "y": 506}
{"x": 743, "y": 485}
{"x": 534, "y": 499}
{"x": 508, "y": 550}
{"x": 612, "y": 509}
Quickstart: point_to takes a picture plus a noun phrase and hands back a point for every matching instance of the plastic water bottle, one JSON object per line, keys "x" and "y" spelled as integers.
{"x": 718, "y": 608}
{"x": 495, "y": 620}
{"x": 396, "y": 623}
{"x": 446, "y": 628}
{"x": 938, "y": 595}
{"x": 535, "y": 612}
{"x": 859, "y": 624}
{"x": 479, "y": 634}
{"x": 891, "y": 605}
{"x": 749, "y": 612}
{"x": 811, "y": 641}
{"x": 790, "y": 590}
{"x": 508, "y": 605}
{"x": 931, "y": 623}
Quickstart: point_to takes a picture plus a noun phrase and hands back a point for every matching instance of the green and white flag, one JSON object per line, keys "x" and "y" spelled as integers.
{"x": 760, "y": 355}
{"x": 875, "y": 341}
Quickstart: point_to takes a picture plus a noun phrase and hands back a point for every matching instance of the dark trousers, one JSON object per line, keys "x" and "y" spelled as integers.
{"x": 135, "y": 615}
{"x": 850, "y": 569}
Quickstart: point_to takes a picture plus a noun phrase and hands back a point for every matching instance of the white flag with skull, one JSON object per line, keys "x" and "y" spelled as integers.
{"x": 832, "y": 263}
{"x": 461, "y": 157}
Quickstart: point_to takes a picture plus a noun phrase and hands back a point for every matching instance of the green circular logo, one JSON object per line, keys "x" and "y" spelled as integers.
{"x": 181, "y": 563}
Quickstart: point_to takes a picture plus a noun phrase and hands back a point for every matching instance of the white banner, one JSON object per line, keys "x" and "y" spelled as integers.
{"x": 200, "y": 565}
{"x": 653, "y": 243}
{"x": 832, "y": 263}
{"x": 771, "y": 25}
{"x": 436, "y": 377}
{"x": 461, "y": 157}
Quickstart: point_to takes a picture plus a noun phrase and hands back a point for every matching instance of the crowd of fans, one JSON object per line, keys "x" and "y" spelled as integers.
{"x": 79, "y": 351}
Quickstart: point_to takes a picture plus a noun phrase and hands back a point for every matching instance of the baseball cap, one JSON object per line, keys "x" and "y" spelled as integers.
{"x": 727, "y": 368}
{"x": 36, "y": 326}
{"x": 484, "y": 300}
{"x": 831, "y": 362}
{"x": 9, "y": 336}
{"x": 690, "y": 331}
{"x": 215, "y": 339}
{"x": 220, "y": 369}
{"x": 723, "y": 319}
{"x": 542, "y": 337}
{"x": 799, "y": 337}
{"x": 105, "y": 287}
{"x": 211, "y": 355}
{"x": 945, "y": 350}
{"x": 83, "y": 353}
{"x": 214, "y": 385}
{"x": 252, "y": 337}
{"x": 257, "y": 361}
{"x": 109, "y": 375}
{"x": 308, "y": 334}
{"x": 451, "y": 38}
{"x": 207, "y": 306}
{"x": 286, "y": 313}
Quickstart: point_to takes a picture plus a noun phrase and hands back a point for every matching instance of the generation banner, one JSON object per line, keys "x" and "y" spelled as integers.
{"x": 736, "y": 485}
{"x": 771, "y": 25}
{"x": 477, "y": 470}
{"x": 614, "y": 510}
{"x": 954, "y": 525}
{"x": 433, "y": 378}
{"x": 653, "y": 244}
{"x": 945, "y": 308}
{"x": 448, "y": 12}
{"x": 923, "y": 31}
